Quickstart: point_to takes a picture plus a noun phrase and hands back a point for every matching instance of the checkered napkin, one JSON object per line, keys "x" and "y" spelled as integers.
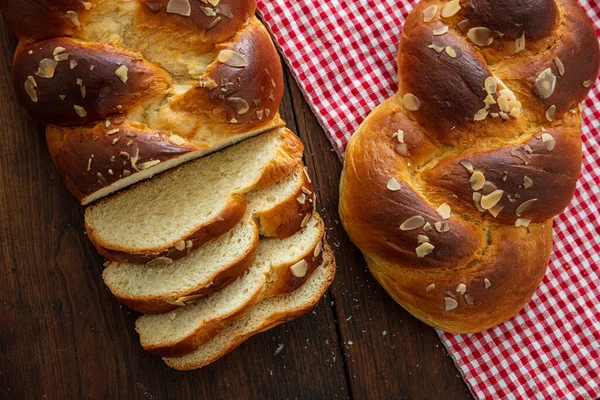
{"x": 342, "y": 53}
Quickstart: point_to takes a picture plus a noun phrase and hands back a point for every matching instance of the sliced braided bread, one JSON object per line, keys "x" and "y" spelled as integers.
{"x": 281, "y": 266}
{"x": 130, "y": 88}
{"x": 263, "y": 316}
{"x": 154, "y": 289}
{"x": 185, "y": 207}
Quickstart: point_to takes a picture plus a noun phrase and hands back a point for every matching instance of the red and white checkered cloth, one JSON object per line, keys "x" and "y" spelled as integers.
{"x": 342, "y": 53}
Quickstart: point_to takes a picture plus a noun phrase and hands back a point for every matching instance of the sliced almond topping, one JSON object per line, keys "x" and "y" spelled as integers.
{"x": 490, "y": 100}
{"x": 399, "y": 135}
{"x": 72, "y": 64}
{"x": 240, "y": 105}
{"x": 468, "y": 299}
{"x": 402, "y": 149}
{"x": 305, "y": 220}
{"x": 30, "y": 88}
{"x": 550, "y": 112}
{"x": 80, "y": 111}
{"x": 415, "y": 222}
{"x": 450, "y": 304}
{"x": 525, "y": 206}
{"x": 318, "y": 249}
{"x": 490, "y": 200}
{"x": 299, "y": 269}
{"x": 73, "y": 17}
{"x": 444, "y": 211}
{"x": 524, "y": 222}
{"x": 549, "y": 141}
{"x": 158, "y": 261}
{"x": 58, "y": 50}
{"x": 442, "y": 30}
{"x": 427, "y": 227}
{"x": 438, "y": 47}
{"x": 487, "y": 283}
{"x": 450, "y": 9}
{"x": 180, "y": 7}
{"x": 411, "y": 102}
{"x": 468, "y": 165}
{"x": 441, "y": 227}
{"x": 424, "y": 250}
{"x": 481, "y": 36}
{"x": 560, "y": 66}
{"x": 232, "y": 58}
{"x": 545, "y": 83}
{"x": 477, "y": 200}
{"x": 477, "y": 180}
{"x": 148, "y": 164}
{"x": 46, "y": 68}
{"x": 463, "y": 25}
{"x": 180, "y": 246}
{"x": 527, "y": 182}
{"x": 588, "y": 84}
{"x": 422, "y": 239}
{"x": 122, "y": 73}
{"x": 429, "y": 13}
{"x": 393, "y": 185}
{"x": 461, "y": 288}
{"x": 496, "y": 210}
{"x": 61, "y": 57}
{"x": 451, "y": 52}
{"x": 520, "y": 44}
{"x": 301, "y": 199}
{"x": 491, "y": 85}
{"x": 430, "y": 287}
{"x": 176, "y": 139}
{"x": 481, "y": 114}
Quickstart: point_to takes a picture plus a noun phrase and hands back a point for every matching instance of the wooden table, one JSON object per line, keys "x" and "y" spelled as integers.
{"x": 64, "y": 336}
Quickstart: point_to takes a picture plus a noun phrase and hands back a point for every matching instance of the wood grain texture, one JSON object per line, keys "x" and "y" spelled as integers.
{"x": 63, "y": 335}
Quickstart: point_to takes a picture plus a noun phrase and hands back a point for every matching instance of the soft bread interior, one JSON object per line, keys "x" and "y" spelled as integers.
{"x": 187, "y": 323}
{"x": 265, "y": 315}
{"x": 159, "y": 213}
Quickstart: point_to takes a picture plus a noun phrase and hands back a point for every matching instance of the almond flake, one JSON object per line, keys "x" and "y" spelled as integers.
{"x": 80, "y": 111}
{"x": 468, "y": 165}
{"x": 451, "y": 52}
{"x": 399, "y": 135}
{"x": 122, "y": 73}
{"x": 73, "y": 17}
{"x": 477, "y": 180}
{"x": 180, "y": 246}
{"x": 429, "y": 13}
{"x": 481, "y": 36}
{"x": 158, "y": 261}
{"x": 487, "y": 283}
{"x": 461, "y": 288}
{"x": 549, "y": 141}
{"x": 393, "y": 185}
{"x": 444, "y": 211}
{"x": 430, "y": 287}
{"x": 545, "y": 84}
{"x": 411, "y": 102}
{"x": 30, "y": 88}
{"x": 240, "y": 105}
{"x": 442, "y": 30}
{"x": 450, "y": 9}
{"x": 450, "y": 304}
{"x": 491, "y": 85}
{"x": 46, "y": 68}
{"x": 422, "y": 239}
{"x": 524, "y": 222}
{"x": 424, "y": 250}
{"x": 550, "y": 112}
{"x": 148, "y": 164}
{"x": 232, "y": 58}
{"x": 559, "y": 64}
{"x": 490, "y": 200}
{"x": 468, "y": 299}
{"x": 588, "y": 84}
{"x": 520, "y": 44}
{"x": 180, "y": 7}
{"x": 412, "y": 223}
{"x": 527, "y": 182}
{"x": 524, "y": 206}
{"x": 299, "y": 269}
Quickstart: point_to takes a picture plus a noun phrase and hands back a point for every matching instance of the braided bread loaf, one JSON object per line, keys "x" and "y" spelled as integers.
{"x": 450, "y": 186}
{"x": 130, "y": 88}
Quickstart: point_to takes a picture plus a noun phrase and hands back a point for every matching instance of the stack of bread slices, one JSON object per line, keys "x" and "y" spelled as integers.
{"x": 217, "y": 249}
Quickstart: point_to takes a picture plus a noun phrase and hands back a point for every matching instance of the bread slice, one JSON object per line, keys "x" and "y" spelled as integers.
{"x": 265, "y": 315}
{"x": 184, "y": 329}
{"x": 154, "y": 289}
{"x": 280, "y": 210}
{"x": 183, "y": 208}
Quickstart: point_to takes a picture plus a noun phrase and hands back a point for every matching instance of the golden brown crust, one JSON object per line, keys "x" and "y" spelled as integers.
{"x": 451, "y": 201}
{"x": 209, "y": 79}
{"x": 286, "y": 218}
{"x": 92, "y": 157}
{"x": 92, "y": 84}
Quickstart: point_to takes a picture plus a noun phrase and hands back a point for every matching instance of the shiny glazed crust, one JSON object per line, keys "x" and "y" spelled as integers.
{"x": 198, "y": 82}
{"x": 478, "y": 183}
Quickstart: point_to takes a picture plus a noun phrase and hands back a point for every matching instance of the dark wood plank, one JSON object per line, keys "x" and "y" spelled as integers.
{"x": 388, "y": 353}
{"x": 63, "y": 335}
